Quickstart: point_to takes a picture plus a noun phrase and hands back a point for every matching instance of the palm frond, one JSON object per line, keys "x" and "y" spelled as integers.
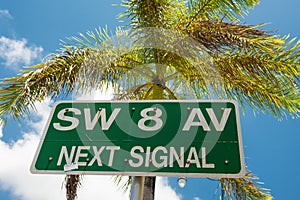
{"x": 232, "y": 10}
{"x": 93, "y": 63}
{"x": 123, "y": 182}
{"x": 263, "y": 79}
{"x": 153, "y": 13}
{"x": 257, "y": 68}
{"x": 56, "y": 76}
{"x": 218, "y": 36}
{"x": 244, "y": 188}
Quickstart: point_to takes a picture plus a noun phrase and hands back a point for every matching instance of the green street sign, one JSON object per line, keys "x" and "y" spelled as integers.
{"x": 142, "y": 138}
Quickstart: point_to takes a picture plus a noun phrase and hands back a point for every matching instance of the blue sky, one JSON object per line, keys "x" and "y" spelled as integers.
{"x": 30, "y": 30}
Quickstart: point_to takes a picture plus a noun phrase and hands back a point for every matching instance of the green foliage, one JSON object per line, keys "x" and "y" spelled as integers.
{"x": 121, "y": 184}
{"x": 244, "y": 188}
{"x": 219, "y": 9}
{"x": 55, "y": 76}
{"x": 153, "y": 13}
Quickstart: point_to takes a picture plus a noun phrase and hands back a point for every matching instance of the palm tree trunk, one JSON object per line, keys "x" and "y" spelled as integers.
{"x": 72, "y": 184}
{"x": 149, "y": 188}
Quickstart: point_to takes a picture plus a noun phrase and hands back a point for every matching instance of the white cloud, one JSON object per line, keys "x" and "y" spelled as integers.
{"x": 38, "y": 121}
{"x": 5, "y": 14}
{"x": 164, "y": 190}
{"x": 100, "y": 187}
{"x": 17, "y": 52}
{"x": 96, "y": 94}
{"x": 15, "y": 176}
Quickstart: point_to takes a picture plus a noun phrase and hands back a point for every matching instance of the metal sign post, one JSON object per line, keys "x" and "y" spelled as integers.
{"x": 137, "y": 188}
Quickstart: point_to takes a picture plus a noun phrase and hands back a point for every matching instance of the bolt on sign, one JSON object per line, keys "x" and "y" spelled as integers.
{"x": 142, "y": 138}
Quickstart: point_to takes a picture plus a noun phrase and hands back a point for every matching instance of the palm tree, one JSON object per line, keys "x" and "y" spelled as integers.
{"x": 209, "y": 54}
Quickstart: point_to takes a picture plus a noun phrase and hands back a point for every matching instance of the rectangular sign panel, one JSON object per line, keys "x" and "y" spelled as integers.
{"x": 142, "y": 138}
